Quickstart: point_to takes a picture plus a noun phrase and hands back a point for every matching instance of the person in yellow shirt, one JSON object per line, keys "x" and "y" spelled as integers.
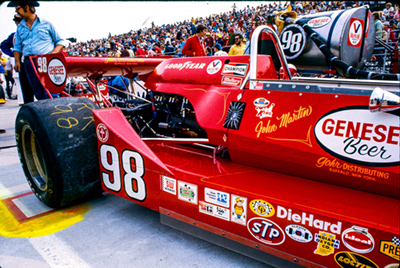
{"x": 239, "y": 47}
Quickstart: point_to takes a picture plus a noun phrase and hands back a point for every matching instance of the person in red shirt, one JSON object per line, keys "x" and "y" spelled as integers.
{"x": 194, "y": 46}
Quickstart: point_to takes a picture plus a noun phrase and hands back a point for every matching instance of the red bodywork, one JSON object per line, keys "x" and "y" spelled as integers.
{"x": 313, "y": 175}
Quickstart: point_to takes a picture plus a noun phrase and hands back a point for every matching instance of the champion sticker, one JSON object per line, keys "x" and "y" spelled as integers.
{"x": 214, "y": 67}
{"x": 238, "y": 69}
{"x": 358, "y": 136}
{"x": 102, "y": 132}
{"x": 57, "y": 72}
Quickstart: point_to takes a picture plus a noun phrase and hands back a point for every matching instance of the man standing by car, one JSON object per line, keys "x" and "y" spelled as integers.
{"x": 194, "y": 46}
{"x": 34, "y": 36}
{"x": 238, "y": 47}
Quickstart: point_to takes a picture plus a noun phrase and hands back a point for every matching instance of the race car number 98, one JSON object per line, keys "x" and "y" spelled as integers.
{"x": 132, "y": 180}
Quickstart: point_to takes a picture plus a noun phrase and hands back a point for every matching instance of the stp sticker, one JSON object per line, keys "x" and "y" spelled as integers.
{"x": 347, "y": 259}
{"x": 358, "y": 136}
{"x": 266, "y": 231}
{"x": 187, "y": 192}
{"x": 298, "y": 233}
{"x": 214, "y": 67}
{"x": 358, "y": 239}
{"x": 102, "y": 132}
{"x": 216, "y": 197}
{"x": 355, "y": 32}
{"x": 57, "y": 72}
{"x": 169, "y": 185}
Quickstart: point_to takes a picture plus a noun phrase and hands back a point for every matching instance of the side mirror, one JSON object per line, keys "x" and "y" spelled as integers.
{"x": 383, "y": 101}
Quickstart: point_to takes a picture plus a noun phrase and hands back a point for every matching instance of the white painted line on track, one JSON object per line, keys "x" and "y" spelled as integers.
{"x": 7, "y": 192}
{"x": 56, "y": 252}
{"x": 30, "y": 205}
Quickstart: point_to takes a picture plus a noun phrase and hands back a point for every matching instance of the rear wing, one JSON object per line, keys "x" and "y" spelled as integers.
{"x": 53, "y": 69}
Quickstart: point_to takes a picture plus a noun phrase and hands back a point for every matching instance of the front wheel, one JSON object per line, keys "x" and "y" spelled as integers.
{"x": 57, "y": 146}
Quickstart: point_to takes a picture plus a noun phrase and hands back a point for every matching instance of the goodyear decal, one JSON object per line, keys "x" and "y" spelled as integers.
{"x": 262, "y": 208}
{"x": 390, "y": 248}
{"x": 326, "y": 243}
{"x": 347, "y": 259}
{"x": 266, "y": 231}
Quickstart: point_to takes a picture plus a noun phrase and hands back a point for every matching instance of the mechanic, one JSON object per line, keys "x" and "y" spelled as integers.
{"x": 34, "y": 36}
{"x": 7, "y": 47}
{"x": 194, "y": 46}
{"x": 238, "y": 47}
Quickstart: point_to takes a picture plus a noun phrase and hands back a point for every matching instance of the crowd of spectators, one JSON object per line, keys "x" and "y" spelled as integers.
{"x": 169, "y": 39}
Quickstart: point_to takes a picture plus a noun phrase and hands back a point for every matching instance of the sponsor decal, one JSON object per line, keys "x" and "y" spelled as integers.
{"x": 239, "y": 209}
{"x": 262, "y": 208}
{"x": 186, "y": 65}
{"x": 358, "y": 239}
{"x": 214, "y": 67}
{"x": 263, "y": 107}
{"x": 355, "y": 32}
{"x": 216, "y": 197}
{"x": 213, "y": 210}
{"x": 169, "y": 185}
{"x": 308, "y": 219}
{"x": 347, "y": 259}
{"x": 266, "y": 231}
{"x": 392, "y": 265}
{"x": 336, "y": 166}
{"x": 102, "y": 132}
{"x": 57, "y": 72}
{"x": 358, "y": 136}
{"x": 326, "y": 243}
{"x": 299, "y": 233}
{"x": 390, "y": 248}
{"x": 231, "y": 81}
{"x": 187, "y": 192}
{"x": 238, "y": 69}
{"x": 319, "y": 22}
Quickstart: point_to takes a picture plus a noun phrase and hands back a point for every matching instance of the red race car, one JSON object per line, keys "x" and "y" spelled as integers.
{"x": 233, "y": 149}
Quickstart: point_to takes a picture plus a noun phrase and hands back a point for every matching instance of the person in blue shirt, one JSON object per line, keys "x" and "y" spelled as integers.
{"x": 34, "y": 36}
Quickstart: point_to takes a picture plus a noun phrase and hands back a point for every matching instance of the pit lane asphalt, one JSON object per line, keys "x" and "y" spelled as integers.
{"x": 113, "y": 232}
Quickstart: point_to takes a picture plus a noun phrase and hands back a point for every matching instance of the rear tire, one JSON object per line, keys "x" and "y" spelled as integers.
{"x": 57, "y": 146}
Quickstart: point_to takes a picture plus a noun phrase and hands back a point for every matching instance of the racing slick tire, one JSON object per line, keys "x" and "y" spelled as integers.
{"x": 57, "y": 147}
